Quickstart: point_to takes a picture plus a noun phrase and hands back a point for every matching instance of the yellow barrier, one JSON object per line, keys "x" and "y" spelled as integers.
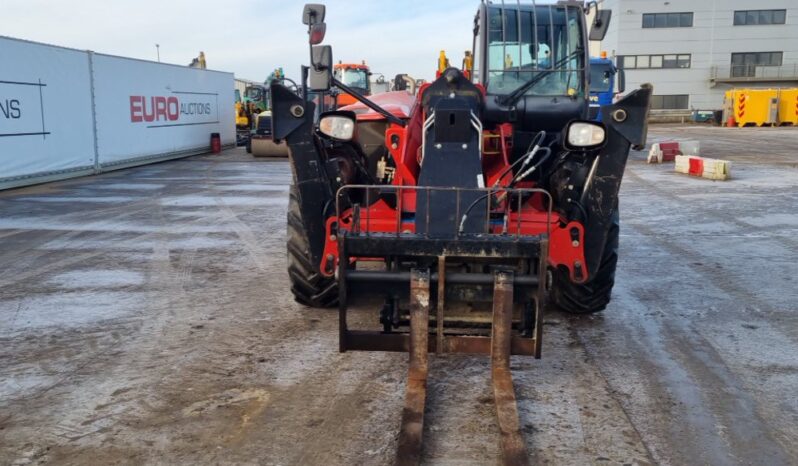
{"x": 788, "y": 107}
{"x": 760, "y": 107}
{"x": 754, "y": 106}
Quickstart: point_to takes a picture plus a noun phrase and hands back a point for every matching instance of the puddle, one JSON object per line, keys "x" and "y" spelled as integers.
{"x": 132, "y": 186}
{"x": 252, "y": 187}
{"x": 72, "y": 199}
{"x": 210, "y": 201}
{"x": 78, "y": 279}
{"x": 66, "y": 310}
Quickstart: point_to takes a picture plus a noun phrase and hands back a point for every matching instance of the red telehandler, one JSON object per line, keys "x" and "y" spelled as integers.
{"x": 467, "y": 208}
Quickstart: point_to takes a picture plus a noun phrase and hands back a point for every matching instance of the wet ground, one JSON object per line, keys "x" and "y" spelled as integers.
{"x": 145, "y": 318}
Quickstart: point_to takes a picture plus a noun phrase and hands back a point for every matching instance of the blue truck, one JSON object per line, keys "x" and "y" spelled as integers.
{"x": 603, "y": 78}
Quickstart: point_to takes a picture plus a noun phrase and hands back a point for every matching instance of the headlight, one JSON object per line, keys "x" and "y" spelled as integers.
{"x": 337, "y": 126}
{"x": 585, "y": 135}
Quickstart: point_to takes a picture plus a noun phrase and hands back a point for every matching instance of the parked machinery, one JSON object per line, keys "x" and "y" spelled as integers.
{"x": 355, "y": 76}
{"x": 604, "y": 77}
{"x": 261, "y": 143}
{"x": 254, "y": 101}
{"x": 484, "y": 203}
{"x": 242, "y": 120}
{"x": 258, "y": 139}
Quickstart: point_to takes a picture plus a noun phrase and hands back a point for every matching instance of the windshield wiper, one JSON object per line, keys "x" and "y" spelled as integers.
{"x": 513, "y": 97}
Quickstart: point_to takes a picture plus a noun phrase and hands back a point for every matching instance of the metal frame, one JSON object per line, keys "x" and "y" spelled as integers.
{"x": 395, "y": 283}
{"x": 399, "y": 191}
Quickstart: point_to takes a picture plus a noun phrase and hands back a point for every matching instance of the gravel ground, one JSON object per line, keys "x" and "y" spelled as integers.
{"x": 145, "y": 318}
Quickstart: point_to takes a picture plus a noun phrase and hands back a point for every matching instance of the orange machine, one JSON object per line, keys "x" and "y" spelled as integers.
{"x": 355, "y": 76}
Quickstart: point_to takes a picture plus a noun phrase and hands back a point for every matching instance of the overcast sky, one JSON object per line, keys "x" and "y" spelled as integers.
{"x": 251, "y": 37}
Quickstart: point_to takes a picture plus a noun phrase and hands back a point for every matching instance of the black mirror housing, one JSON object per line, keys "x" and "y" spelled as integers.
{"x": 320, "y": 75}
{"x": 601, "y": 22}
{"x": 313, "y": 13}
{"x": 621, "y": 80}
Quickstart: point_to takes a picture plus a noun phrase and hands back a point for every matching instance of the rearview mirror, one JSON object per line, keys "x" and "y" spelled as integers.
{"x": 601, "y": 22}
{"x": 316, "y": 33}
{"x": 321, "y": 68}
{"x": 621, "y": 80}
{"x": 313, "y": 13}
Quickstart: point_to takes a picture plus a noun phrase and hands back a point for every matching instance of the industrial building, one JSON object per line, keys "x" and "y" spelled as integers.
{"x": 694, "y": 51}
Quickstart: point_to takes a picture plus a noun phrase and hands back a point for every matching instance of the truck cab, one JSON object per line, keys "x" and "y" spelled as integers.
{"x": 604, "y": 76}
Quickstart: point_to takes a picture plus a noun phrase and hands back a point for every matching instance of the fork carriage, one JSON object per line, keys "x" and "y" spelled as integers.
{"x": 461, "y": 266}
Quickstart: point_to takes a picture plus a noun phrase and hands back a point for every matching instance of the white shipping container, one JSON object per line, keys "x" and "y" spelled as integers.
{"x": 45, "y": 113}
{"x": 66, "y": 112}
{"x": 150, "y": 110}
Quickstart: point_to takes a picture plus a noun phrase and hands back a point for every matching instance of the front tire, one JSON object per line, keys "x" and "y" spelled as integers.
{"x": 308, "y": 286}
{"x": 594, "y": 295}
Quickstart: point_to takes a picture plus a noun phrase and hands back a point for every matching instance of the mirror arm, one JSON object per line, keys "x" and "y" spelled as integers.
{"x": 365, "y": 101}
{"x": 305, "y": 72}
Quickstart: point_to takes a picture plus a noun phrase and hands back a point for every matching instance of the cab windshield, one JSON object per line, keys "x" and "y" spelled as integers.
{"x": 353, "y": 77}
{"x": 523, "y": 44}
{"x": 254, "y": 93}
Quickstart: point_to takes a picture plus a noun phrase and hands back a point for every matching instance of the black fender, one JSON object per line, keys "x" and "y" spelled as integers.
{"x": 293, "y": 122}
{"x": 627, "y": 127}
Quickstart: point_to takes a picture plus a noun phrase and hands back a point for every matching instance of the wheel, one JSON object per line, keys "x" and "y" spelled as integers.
{"x": 308, "y": 286}
{"x": 594, "y": 295}
{"x": 249, "y": 145}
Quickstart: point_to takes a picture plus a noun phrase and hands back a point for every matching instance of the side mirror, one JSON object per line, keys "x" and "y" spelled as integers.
{"x": 316, "y": 33}
{"x": 621, "y": 80}
{"x": 601, "y": 22}
{"x": 321, "y": 68}
{"x": 313, "y": 13}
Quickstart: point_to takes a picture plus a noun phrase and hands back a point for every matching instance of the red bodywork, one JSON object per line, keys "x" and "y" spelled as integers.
{"x": 404, "y": 145}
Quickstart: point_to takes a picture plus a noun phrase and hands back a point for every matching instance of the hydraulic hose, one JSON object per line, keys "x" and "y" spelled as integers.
{"x": 526, "y": 158}
{"x": 532, "y": 149}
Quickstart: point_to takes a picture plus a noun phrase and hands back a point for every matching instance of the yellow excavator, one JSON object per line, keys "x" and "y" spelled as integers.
{"x": 242, "y": 120}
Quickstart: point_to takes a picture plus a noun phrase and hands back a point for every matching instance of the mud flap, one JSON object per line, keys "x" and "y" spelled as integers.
{"x": 627, "y": 127}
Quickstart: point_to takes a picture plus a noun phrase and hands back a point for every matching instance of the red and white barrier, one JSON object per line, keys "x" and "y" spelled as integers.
{"x": 666, "y": 151}
{"x": 713, "y": 169}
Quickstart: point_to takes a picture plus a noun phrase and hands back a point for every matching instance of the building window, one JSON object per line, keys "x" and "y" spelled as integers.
{"x": 670, "y": 102}
{"x": 754, "y": 17}
{"x": 743, "y": 65}
{"x": 631, "y": 62}
{"x": 667, "y": 20}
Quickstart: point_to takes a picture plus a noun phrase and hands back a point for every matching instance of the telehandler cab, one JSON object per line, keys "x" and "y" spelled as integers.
{"x": 467, "y": 208}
